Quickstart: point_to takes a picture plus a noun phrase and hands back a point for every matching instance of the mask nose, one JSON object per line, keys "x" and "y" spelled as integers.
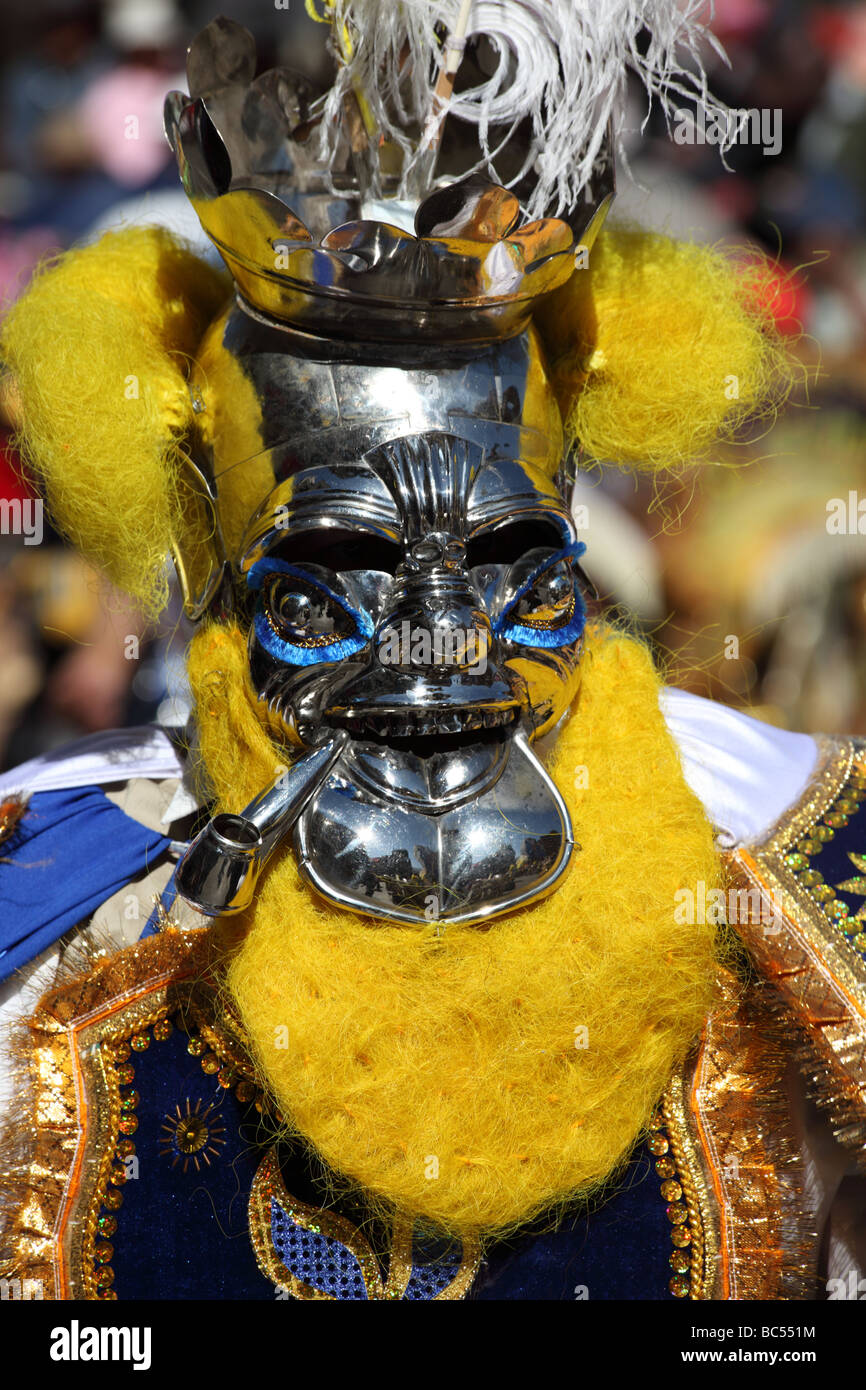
{"x": 434, "y": 618}
{"x": 429, "y": 670}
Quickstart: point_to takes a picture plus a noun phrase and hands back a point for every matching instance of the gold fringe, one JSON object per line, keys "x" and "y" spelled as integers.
{"x": 733, "y": 1134}
{"x": 54, "y": 1169}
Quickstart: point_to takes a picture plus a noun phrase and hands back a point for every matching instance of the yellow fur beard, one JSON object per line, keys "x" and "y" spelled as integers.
{"x": 472, "y": 1078}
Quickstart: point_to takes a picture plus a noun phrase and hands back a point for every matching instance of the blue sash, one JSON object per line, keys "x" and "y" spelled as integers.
{"x": 71, "y": 851}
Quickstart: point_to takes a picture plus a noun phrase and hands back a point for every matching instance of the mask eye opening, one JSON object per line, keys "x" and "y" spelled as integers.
{"x": 504, "y": 545}
{"x": 339, "y": 550}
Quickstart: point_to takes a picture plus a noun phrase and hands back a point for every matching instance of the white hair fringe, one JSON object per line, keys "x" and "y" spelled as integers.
{"x": 561, "y": 63}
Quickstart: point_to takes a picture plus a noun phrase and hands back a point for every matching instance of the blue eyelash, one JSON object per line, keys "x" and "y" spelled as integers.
{"x": 542, "y": 637}
{"x": 306, "y": 656}
{"x": 288, "y": 651}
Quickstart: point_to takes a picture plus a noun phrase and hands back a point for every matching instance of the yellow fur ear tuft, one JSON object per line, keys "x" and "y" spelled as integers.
{"x": 660, "y": 348}
{"x": 99, "y": 347}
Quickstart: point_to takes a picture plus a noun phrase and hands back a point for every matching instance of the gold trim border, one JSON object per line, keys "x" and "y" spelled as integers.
{"x": 268, "y": 1186}
{"x": 805, "y": 956}
{"x": 75, "y": 1104}
{"x": 729, "y": 1102}
{"x": 702, "y": 1217}
{"x": 102, "y": 1091}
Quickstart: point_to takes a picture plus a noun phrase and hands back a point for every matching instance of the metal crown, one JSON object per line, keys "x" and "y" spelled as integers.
{"x": 299, "y": 240}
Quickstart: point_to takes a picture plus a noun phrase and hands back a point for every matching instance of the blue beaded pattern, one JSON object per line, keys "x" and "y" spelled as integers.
{"x": 319, "y": 1261}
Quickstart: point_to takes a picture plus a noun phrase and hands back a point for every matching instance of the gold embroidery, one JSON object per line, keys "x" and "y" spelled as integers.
{"x": 704, "y": 1247}
{"x": 192, "y": 1136}
{"x": 268, "y": 1186}
{"x": 743, "y": 1157}
{"x": 57, "y": 1191}
{"x": 856, "y": 885}
{"x": 221, "y": 1029}
{"x": 805, "y": 952}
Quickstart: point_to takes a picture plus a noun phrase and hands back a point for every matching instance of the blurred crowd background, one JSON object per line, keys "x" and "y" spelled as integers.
{"x": 742, "y": 554}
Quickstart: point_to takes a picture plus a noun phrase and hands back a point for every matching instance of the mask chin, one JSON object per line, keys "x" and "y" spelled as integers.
{"x": 458, "y": 836}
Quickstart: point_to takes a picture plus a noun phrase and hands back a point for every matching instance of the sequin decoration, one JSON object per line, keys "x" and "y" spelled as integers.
{"x": 320, "y": 1262}
{"x": 312, "y": 1253}
{"x": 122, "y": 1166}
{"x": 105, "y": 1224}
{"x": 323, "y": 1263}
{"x": 677, "y": 1212}
{"x": 855, "y": 885}
{"x": 802, "y": 852}
{"x": 78, "y": 1040}
{"x": 193, "y": 1136}
{"x": 433, "y": 1269}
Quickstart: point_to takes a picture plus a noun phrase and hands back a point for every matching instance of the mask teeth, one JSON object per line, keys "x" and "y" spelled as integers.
{"x": 425, "y": 724}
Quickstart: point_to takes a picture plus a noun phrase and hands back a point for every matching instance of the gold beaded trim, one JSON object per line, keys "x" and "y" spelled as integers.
{"x": 268, "y": 1186}
{"x": 71, "y": 1067}
{"x": 804, "y": 939}
{"x": 802, "y": 834}
{"x": 222, "y": 1030}
{"x": 118, "y": 1076}
{"x": 695, "y": 1256}
{"x": 112, "y": 1070}
{"x": 682, "y": 1210}
{"x": 220, "y": 1062}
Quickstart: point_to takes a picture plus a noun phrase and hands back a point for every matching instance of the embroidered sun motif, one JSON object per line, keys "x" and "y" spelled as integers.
{"x": 193, "y": 1136}
{"x": 857, "y": 884}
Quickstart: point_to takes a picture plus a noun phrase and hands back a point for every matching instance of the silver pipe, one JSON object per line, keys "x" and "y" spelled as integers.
{"x": 218, "y": 872}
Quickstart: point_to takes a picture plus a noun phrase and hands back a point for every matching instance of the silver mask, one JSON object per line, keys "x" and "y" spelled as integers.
{"x": 388, "y": 521}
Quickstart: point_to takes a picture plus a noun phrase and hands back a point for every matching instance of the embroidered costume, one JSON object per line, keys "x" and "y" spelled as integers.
{"x": 445, "y": 954}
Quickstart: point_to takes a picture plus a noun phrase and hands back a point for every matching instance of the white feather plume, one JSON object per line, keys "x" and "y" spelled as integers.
{"x": 561, "y": 63}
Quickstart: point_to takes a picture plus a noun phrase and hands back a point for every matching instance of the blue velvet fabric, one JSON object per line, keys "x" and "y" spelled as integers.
{"x": 183, "y": 1232}
{"x": 185, "y": 1235}
{"x": 618, "y": 1250}
{"x": 71, "y": 851}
